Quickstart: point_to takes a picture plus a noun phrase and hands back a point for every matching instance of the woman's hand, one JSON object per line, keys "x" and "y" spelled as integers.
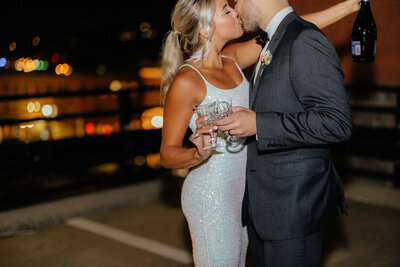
{"x": 201, "y": 138}
{"x": 352, "y": 5}
{"x": 201, "y": 141}
{"x": 204, "y": 128}
{"x": 333, "y": 14}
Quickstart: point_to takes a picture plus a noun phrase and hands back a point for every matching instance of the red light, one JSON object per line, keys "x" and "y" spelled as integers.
{"x": 55, "y": 57}
{"x": 89, "y": 128}
{"x": 107, "y": 129}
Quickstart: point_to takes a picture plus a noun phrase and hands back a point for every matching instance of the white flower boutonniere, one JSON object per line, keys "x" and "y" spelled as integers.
{"x": 266, "y": 58}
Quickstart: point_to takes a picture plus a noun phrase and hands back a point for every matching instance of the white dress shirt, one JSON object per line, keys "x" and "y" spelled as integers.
{"x": 271, "y": 29}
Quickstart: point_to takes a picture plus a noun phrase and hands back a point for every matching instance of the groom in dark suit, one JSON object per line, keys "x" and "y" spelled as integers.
{"x": 298, "y": 105}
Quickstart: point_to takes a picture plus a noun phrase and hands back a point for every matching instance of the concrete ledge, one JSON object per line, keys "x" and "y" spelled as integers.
{"x": 372, "y": 191}
{"x": 36, "y": 216}
{"x": 21, "y": 221}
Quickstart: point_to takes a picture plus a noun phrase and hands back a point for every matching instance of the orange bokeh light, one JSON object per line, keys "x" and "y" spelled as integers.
{"x": 89, "y": 128}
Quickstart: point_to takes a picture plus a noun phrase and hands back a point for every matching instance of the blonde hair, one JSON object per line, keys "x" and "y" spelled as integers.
{"x": 187, "y": 19}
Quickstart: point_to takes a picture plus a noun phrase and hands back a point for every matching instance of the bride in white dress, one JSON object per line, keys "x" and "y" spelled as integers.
{"x": 213, "y": 190}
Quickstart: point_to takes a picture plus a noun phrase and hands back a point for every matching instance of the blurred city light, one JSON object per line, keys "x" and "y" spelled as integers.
{"x": 127, "y": 36}
{"x": 89, "y": 128}
{"x": 55, "y": 58}
{"x": 99, "y": 129}
{"x": 64, "y": 69}
{"x": 12, "y": 46}
{"x": 136, "y": 124}
{"x": 157, "y": 121}
{"x": 146, "y": 31}
{"x": 3, "y": 62}
{"x": 29, "y": 65}
{"x": 47, "y": 110}
{"x": 30, "y": 107}
{"x": 153, "y": 160}
{"x": 107, "y": 129}
{"x": 115, "y": 86}
{"x": 36, "y": 41}
{"x": 152, "y": 118}
{"x": 50, "y": 111}
{"x": 45, "y": 134}
{"x": 37, "y": 106}
{"x": 55, "y": 111}
{"x": 140, "y": 160}
{"x": 150, "y": 73}
{"x": 144, "y": 26}
{"x": 29, "y": 125}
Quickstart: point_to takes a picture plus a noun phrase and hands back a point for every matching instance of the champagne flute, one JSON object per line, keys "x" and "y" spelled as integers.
{"x": 209, "y": 110}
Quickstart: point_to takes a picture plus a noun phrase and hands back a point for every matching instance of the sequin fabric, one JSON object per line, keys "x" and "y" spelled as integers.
{"x": 212, "y": 197}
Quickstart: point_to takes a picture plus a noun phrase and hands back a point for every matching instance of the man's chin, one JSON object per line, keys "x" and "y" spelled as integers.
{"x": 250, "y": 28}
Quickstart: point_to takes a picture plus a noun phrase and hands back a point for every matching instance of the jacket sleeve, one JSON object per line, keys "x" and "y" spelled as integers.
{"x": 318, "y": 82}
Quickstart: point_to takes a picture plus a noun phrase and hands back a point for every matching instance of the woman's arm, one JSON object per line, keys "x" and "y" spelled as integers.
{"x": 247, "y": 53}
{"x": 331, "y": 15}
{"x": 178, "y": 110}
{"x": 244, "y": 53}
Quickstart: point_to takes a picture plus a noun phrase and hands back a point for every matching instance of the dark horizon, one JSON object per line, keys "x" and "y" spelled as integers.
{"x": 88, "y": 37}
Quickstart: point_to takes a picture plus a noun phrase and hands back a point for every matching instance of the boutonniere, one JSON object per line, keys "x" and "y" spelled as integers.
{"x": 266, "y": 58}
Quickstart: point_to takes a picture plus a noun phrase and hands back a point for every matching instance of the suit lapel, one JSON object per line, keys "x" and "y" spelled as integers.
{"x": 251, "y": 83}
{"x": 273, "y": 44}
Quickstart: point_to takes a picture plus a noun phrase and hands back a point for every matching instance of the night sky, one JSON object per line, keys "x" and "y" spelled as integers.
{"x": 87, "y": 37}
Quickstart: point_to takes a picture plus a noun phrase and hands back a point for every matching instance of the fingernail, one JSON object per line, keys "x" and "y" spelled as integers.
{"x": 196, "y": 134}
{"x": 215, "y": 128}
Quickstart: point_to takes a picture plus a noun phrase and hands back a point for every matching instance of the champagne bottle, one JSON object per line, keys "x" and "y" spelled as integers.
{"x": 363, "y": 37}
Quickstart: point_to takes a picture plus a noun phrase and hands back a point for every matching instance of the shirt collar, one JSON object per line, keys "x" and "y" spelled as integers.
{"x": 276, "y": 20}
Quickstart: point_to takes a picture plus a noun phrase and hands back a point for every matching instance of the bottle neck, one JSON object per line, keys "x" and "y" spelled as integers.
{"x": 365, "y": 4}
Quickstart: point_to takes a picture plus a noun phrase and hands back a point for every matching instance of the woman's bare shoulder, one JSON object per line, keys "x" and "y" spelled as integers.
{"x": 187, "y": 83}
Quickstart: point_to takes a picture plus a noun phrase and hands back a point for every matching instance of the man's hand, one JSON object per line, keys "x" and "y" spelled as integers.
{"x": 241, "y": 123}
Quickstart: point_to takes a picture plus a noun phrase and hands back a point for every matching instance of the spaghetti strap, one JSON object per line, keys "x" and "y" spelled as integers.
{"x": 237, "y": 65}
{"x": 201, "y": 75}
{"x": 208, "y": 84}
{"x": 228, "y": 58}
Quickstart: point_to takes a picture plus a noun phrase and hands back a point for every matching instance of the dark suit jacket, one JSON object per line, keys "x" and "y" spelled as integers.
{"x": 292, "y": 187}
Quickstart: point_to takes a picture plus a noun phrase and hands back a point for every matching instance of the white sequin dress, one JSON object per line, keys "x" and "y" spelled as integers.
{"x": 212, "y": 196}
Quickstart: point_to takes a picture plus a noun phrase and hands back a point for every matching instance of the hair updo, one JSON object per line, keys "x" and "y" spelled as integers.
{"x": 187, "y": 19}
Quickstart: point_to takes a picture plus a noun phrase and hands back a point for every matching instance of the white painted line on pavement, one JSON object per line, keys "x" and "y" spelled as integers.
{"x": 132, "y": 240}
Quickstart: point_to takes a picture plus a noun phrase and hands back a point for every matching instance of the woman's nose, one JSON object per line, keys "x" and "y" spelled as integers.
{"x": 235, "y": 13}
